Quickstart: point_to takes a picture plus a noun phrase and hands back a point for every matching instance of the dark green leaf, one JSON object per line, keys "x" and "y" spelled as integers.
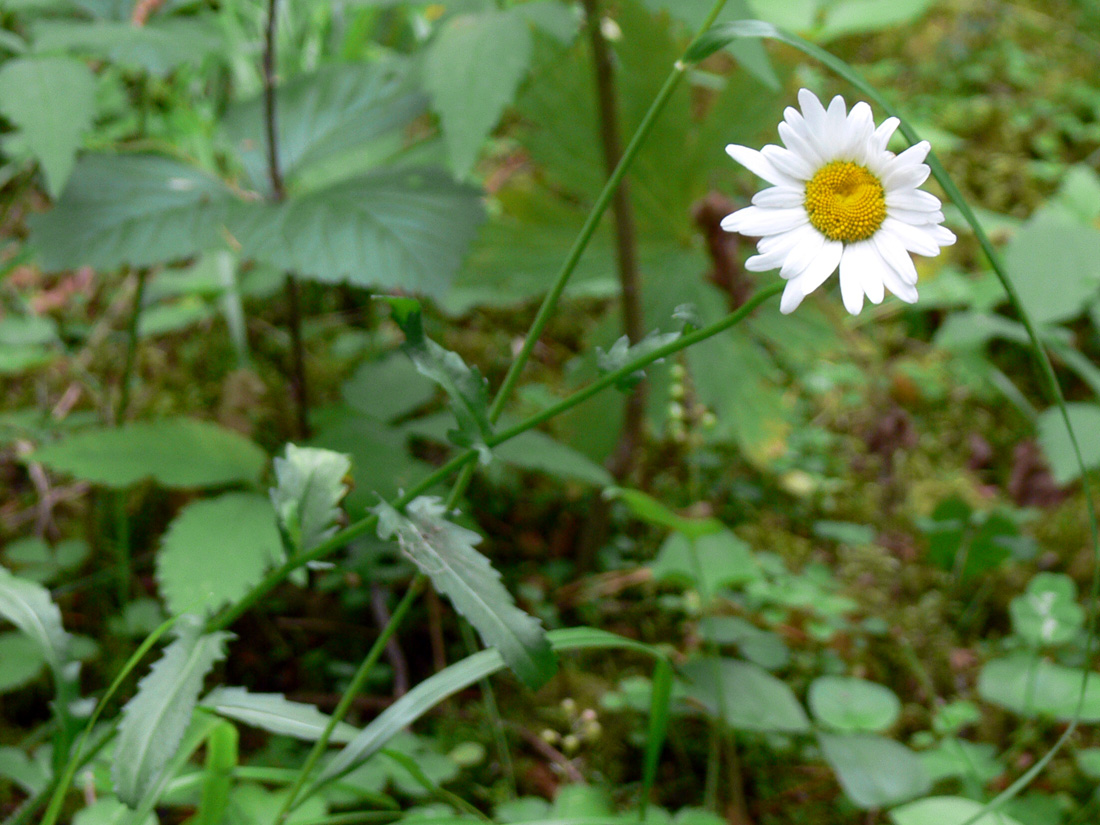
{"x": 310, "y": 486}
{"x": 622, "y": 353}
{"x": 445, "y": 553}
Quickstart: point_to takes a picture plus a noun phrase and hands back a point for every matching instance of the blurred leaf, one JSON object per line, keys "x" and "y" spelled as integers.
{"x": 323, "y": 115}
{"x": 405, "y": 229}
{"x": 622, "y": 353}
{"x": 857, "y": 16}
{"x": 761, "y": 647}
{"x": 31, "y": 558}
{"x": 21, "y": 661}
{"x": 550, "y": 16}
{"x": 1057, "y": 447}
{"x": 218, "y": 774}
{"x": 745, "y": 695}
{"x": 274, "y": 713}
{"x": 309, "y": 489}
{"x": 160, "y": 46}
{"x": 32, "y": 775}
{"x": 28, "y": 606}
{"x": 215, "y": 550}
{"x": 852, "y": 705}
{"x": 175, "y": 452}
{"x": 1052, "y": 263}
{"x": 154, "y": 721}
{"x": 1033, "y": 687}
{"x": 874, "y": 772}
{"x": 652, "y": 511}
{"x": 718, "y": 560}
{"x": 387, "y": 388}
{"x": 135, "y": 210}
{"x": 445, "y": 553}
{"x": 534, "y": 450}
{"x": 469, "y": 98}
{"x": 947, "y": 810}
{"x": 52, "y": 101}
{"x": 957, "y": 758}
{"x": 1048, "y": 613}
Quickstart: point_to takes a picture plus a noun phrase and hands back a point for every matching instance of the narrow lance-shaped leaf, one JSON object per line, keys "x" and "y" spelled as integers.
{"x": 308, "y": 494}
{"x": 154, "y": 721}
{"x": 445, "y": 553}
{"x": 28, "y": 606}
{"x": 274, "y": 713}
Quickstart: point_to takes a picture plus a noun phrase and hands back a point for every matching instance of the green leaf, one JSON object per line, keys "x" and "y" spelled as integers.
{"x": 659, "y": 714}
{"x": 387, "y": 388}
{"x": 52, "y": 101}
{"x": 761, "y": 647}
{"x": 155, "y": 720}
{"x": 445, "y": 553}
{"x": 21, "y": 661}
{"x": 135, "y": 210}
{"x": 947, "y": 810}
{"x": 215, "y": 550}
{"x": 534, "y": 450}
{"x": 622, "y": 353}
{"x": 217, "y": 780}
{"x": 472, "y": 71}
{"x": 28, "y": 606}
{"x": 31, "y": 558}
{"x": 175, "y": 452}
{"x": 852, "y": 705}
{"x": 323, "y": 115}
{"x": 650, "y": 510}
{"x": 1033, "y": 687}
{"x": 874, "y": 771}
{"x": 310, "y": 486}
{"x": 32, "y": 775}
{"x": 158, "y": 47}
{"x": 1052, "y": 263}
{"x": 274, "y": 713}
{"x": 1056, "y": 444}
{"x": 404, "y": 229}
{"x": 744, "y": 695}
{"x": 1048, "y": 614}
{"x": 717, "y": 560}
{"x": 857, "y": 16}
{"x": 449, "y": 681}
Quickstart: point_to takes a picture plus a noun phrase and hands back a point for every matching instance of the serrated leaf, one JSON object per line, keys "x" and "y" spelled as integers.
{"x": 154, "y": 721}
{"x": 323, "y": 114}
{"x": 405, "y": 229}
{"x": 135, "y": 210}
{"x": 176, "y": 452}
{"x": 215, "y": 550}
{"x": 445, "y": 553}
{"x": 28, "y": 606}
{"x": 310, "y": 486}
{"x": 622, "y": 353}
{"x": 472, "y": 70}
{"x": 274, "y": 713}
{"x": 52, "y": 101}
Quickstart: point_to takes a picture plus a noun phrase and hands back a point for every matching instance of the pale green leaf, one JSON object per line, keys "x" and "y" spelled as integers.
{"x": 745, "y": 695}
{"x": 158, "y": 47}
{"x": 874, "y": 771}
{"x": 28, "y": 606}
{"x": 29, "y": 774}
{"x": 109, "y": 811}
{"x": 1053, "y": 265}
{"x": 21, "y": 661}
{"x": 1056, "y": 444}
{"x": 274, "y": 713}
{"x": 154, "y": 721}
{"x": 856, "y": 16}
{"x": 708, "y": 562}
{"x": 445, "y": 553}
{"x": 215, "y": 550}
{"x": 402, "y": 229}
{"x": 387, "y": 388}
{"x": 52, "y": 101}
{"x": 1033, "y": 687}
{"x": 1048, "y": 613}
{"x": 472, "y": 70}
{"x": 135, "y": 210}
{"x": 534, "y": 450}
{"x": 947, "y": 810}
{"x": 309, "y": 489}
{"x": 852, "y": 705}
{"x": 175, "y": 452}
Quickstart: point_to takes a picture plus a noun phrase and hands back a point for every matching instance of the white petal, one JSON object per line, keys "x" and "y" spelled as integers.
{"x": 779, "y": 196}
{"x": 799, "y": 144}
{"x": 756, "y": 163}
{"x": 942, "y": 235}
{"x": 881, "y": 137}
{"x": 788, "y": 162}
{"x": 905, "y": 291}
{"x": 802, "y": 256}
{"x": 904, "y": 177}
{"x": 916, "y": 200}
{"x": 851, "y": 291}
{"x": 836, "y": 120}
{"x": 753, "y": 220}
{"x": 862, "y": 262}
{"x": 821, "y": 267}
{"x": 894, "y": 253}
{"x": 766, "y": 263}
{"x": 915, "y": 153}
{"x": 792, "y": 297}
{"x": 812, "y": 110}
{"x": 787, "y": 241}
{"x": 861, "y": 123}
{"x": 915, "y": 218}
{"x": 917, "y": 239}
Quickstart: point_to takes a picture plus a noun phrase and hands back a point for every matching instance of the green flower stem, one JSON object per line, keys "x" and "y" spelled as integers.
{"x": 357, "y": 682}
{"x": 365, "y": 525}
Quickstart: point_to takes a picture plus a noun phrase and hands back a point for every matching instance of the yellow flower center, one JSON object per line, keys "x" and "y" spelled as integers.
{"x": 845, "y": 201}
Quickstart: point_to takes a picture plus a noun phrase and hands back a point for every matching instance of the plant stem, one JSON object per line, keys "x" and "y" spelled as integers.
{"x": 353, "y": 689}
{"x": 127, "y": 379}
{"x": 626, "y": 241}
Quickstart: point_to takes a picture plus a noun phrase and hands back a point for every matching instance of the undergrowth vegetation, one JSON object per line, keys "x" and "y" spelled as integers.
{"x": 391, "y": 432}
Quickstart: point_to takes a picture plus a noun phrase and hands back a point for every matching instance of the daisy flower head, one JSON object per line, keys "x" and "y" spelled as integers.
{"x": 839, "y": 198}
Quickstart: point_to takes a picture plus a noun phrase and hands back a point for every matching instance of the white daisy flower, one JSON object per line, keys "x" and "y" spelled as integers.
{"x": 839, "y": 198}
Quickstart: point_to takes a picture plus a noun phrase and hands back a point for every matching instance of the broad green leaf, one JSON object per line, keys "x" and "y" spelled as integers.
{"x": 856, "y": 16}
{"x": 135, "y": 210}
{"x": 405, "y": 229}
{"x": 761, "y": 647}
{"x": 323, "y": 115}
{"x": 21, "y": 661}
{"x": 947, "y": 810}
{"x": 254, "y": 804}
{"x": 52, "y": 101}
{"x": 852, "y": 705}
{"x": 31, "y": 558}
{"x": 744, "y": 695}
{"x": 215, "y": 550}
{"x": 28, "y": 606}
{"x": 32, "y": 775}
{"x": 433, "y": 690}
{"x": 550, "y": 16}
{"x": 1048, "y": 613}
{"x": 445, "y": 553}
{"x": 1034, "y": 687}
{"x": 1053, "y": 265}
{"x": 155, "y": 720}
{"x": 716, "y": 560}
{"x": 309, "y": 489}
{"x": 175, "y": 452}
{"x": 874, "y": 771}
{"x": 965, "y": 760}
{"x": 274, "y": 713}
{"x": 387, "y": 388}
{"x": 472, "y": 70}
{"x": 534, "y": 450}
{"x": 1054, "y": 439}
